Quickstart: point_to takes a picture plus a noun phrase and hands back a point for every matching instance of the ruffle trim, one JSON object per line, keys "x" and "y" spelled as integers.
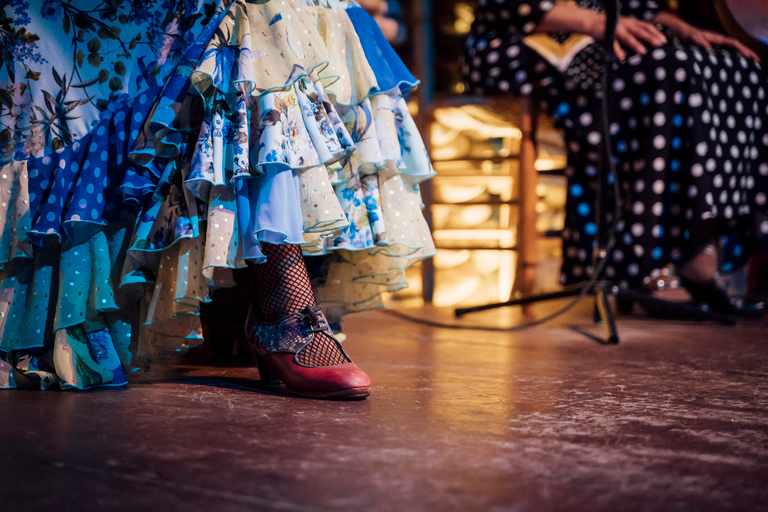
{"x": 74, "y": 193}
{"x": 300, "y": 42}
{"x": 389, "y": 70}
{"x": 345, "y": 177}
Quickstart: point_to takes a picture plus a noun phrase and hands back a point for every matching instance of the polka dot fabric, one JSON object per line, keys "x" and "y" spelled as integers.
{"x": 687, "y": 130}
{"x": 76, "y": 190}
{"x": 510, "y": 16}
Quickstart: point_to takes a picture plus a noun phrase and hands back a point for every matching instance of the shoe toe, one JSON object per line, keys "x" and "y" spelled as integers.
{"x": 342, "y": 381}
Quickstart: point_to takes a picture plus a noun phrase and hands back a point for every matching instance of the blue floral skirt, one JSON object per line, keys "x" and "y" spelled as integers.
{"x": 148, "y": 151}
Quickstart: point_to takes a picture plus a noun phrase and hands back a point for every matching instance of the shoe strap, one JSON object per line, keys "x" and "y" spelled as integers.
{"x": 291, "y": 334}
{"x": 314, "y": 320}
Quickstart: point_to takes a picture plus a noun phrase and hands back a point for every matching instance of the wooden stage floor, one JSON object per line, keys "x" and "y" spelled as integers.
{"x": 673, "y": 418}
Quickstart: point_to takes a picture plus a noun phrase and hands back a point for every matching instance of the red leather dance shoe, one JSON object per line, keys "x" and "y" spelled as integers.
{"x": 277, "y": 345}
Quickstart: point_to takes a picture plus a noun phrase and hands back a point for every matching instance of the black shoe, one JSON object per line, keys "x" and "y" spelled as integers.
{"x": 719, "y": 297}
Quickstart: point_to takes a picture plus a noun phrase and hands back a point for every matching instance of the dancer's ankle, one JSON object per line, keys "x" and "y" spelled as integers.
{"x": 700, "y": 267}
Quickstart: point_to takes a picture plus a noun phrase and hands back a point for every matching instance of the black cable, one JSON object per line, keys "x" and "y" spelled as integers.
{"x": 612, "y": 10}
{"x": 514, "y": 328}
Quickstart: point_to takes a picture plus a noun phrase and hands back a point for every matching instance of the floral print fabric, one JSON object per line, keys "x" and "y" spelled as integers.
{"x": 65, "y": 63}
{"x": 234, "y": 123}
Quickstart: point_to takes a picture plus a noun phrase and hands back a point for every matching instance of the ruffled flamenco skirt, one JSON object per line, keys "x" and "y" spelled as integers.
{"x": 284, "y": 123}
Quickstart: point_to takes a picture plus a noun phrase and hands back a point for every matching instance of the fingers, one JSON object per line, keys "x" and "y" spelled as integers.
{"x": 618, "y": 50}
{"x": 634, "y": 34}
{"x": 650, "y": 33}
{"x": 627, "y": 39}
{"x": 714, "y": 38}
{"x": 701, "y": 40}
{"x": 744, "y": 50}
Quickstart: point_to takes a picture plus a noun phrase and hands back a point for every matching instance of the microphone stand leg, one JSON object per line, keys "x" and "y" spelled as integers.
{"x": 604, "y": 310}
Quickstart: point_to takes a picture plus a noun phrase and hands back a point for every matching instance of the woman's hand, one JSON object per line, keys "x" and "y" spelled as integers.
{"x": 706, "y": 38}
{"x": 631, "y": 34}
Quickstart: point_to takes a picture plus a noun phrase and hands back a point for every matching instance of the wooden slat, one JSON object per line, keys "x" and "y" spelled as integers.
{"x": 527, "y": 236}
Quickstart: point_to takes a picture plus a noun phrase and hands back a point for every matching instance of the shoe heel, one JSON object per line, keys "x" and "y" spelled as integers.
{"x": 266, "y": 374}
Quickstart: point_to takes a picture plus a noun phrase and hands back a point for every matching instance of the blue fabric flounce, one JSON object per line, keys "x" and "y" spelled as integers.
{"x": 386, "y": 64}
{"x": 79, "y": 189}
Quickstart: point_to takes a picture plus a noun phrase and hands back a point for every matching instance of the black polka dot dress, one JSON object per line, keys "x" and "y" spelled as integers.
{"x": 689, "y": 131}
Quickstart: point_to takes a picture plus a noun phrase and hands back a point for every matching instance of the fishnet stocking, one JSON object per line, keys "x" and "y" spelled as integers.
{"x": 282, "y": 284}
{"x": 282, "y": 288}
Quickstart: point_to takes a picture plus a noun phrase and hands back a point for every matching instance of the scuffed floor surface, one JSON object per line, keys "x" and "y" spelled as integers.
{"x": 673, "y": 418}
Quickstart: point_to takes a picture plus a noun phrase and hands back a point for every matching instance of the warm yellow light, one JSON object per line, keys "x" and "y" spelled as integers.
{"x": 505, "y": 237}
{"x": 465, "y": 15}
{"x": 506, "y": 276}
{"x": 550, "y": 162}
{"x": 477, "y": 122}
{"x": 449, "y": 216}
{"x": 449, "y": 294}
{"x": 474, "y": 215}
{"x": 413, "y": 108}
{"x": 486, "y": 262}
{"x": 451, "y": 259}
{"x": 487, "y": 276}
{"x": 459, "y": 192}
